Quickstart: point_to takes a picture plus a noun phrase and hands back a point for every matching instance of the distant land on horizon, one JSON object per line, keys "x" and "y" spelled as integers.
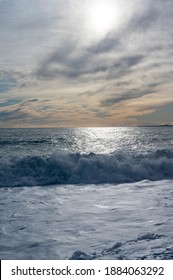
{"x": 156, "y": 125}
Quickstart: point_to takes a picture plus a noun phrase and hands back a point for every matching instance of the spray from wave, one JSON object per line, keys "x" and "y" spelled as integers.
{"x": 63, "y": 168}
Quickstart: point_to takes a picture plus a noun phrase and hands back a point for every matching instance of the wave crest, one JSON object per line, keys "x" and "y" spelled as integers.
{"x": 62, "y": 168}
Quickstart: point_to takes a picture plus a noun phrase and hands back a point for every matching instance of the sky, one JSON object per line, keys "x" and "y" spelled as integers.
{"x": 71, "y": 63}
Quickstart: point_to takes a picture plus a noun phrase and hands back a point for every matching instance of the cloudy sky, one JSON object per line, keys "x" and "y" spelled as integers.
{"x": 66, "y": 63}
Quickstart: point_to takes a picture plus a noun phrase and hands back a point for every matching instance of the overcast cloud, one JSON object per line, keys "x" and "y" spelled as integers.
{"x": 58, "y": 68}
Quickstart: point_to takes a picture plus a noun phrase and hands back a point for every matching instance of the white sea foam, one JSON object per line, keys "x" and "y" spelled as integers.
{"x": 60, "y": 222}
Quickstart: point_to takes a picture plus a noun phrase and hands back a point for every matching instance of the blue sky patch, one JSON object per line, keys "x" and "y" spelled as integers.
{"x": 7, "y": 83}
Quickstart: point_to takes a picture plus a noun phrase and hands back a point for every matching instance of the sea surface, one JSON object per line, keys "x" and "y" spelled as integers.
{"x": 86, "y": 193}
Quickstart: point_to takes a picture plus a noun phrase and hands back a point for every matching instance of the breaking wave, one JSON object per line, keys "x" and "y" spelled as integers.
{"x": 63, "y": 168}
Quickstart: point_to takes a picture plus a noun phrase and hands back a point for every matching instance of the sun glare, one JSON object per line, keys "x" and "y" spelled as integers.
{"x": 103, "y": 16}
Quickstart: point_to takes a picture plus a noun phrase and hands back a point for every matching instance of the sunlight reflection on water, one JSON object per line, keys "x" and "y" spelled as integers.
{"x": 106, "y": 140}
{"x": 84, "y": 140}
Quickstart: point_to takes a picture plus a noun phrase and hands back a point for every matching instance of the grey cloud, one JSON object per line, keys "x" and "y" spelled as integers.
{"x": 29, "y": 101}
{"x": 72, "y": 68}
{"x": 123, "y": 83}
{"x": 99, "y": 114}
{"x": 67, "y": 63}
{"x": 125, "y": 97}
{"x": 13, "y": 114}
{"x": 22, "y": 110}
{"x": 154, "y": 16}
{"x": 129, "y": 61}
{"x": 93, "y": 92}
{"x": 105, "y": 45}
{"x": 124, "y": 66}
{"x": 146, "y": 20}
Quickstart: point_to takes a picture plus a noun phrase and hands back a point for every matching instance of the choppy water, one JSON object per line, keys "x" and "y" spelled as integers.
{"x": 86, "y": 193}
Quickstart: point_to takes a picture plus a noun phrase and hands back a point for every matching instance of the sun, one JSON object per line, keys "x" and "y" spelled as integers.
{"x": 102, "y": 16}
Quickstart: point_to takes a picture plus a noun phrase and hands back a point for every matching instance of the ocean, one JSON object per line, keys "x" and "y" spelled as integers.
{"x": 86, "y": 193}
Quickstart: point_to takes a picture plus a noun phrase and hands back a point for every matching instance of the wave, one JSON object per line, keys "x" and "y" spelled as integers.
{"x": 13, "y": 142}
{"x": 63, "y": 168}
